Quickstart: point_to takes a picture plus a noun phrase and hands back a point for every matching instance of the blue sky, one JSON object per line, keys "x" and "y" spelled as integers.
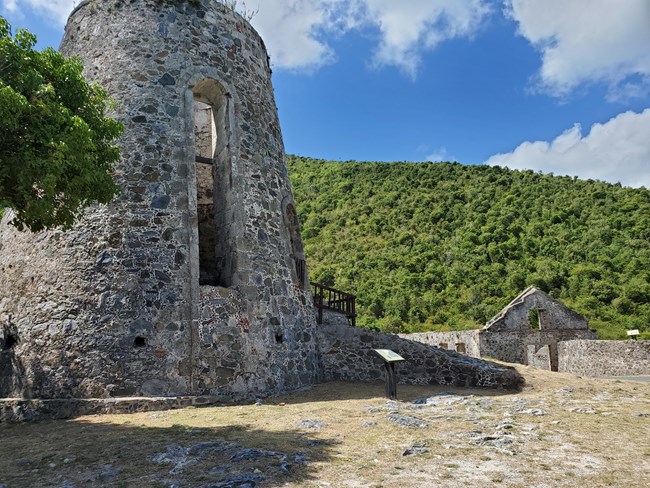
{"x": 557, "y": 86}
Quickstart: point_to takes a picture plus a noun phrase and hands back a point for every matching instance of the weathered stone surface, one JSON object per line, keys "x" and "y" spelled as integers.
{"x": 415, "y": 450}
{"x": 512, "y": 346}
{"x": 348, "y": 355}
{"x": 539, "y": 356}
{"x": 510, "y": 337}
{"x": 409, "y": 421}
{"x": 20, "y": 409}
{"x": 453, "y": 341}
{"x": 566, "y": 351}
{"x": 605, "y": 358}
{"x": 552, "y": 313}
{"x": 311, "y": 424}
{"x": 115, "y": 306}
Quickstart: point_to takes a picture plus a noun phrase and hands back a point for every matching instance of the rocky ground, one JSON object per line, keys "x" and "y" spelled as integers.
{"x": 560, "y": 430}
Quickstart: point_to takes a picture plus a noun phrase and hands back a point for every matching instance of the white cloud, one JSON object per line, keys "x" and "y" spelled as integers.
{"x": 58, "y": 10}
{"x": 409, "y": 28}
{"x": 579, "y": 40}
{"x": 616, "y": 151}
{"x": 588, "y": 41}
{"x": 294, "y": 29}
{"x": 9, "y": 5}
{"x": 441, "y": 154}
{"x": 291, "y": 28}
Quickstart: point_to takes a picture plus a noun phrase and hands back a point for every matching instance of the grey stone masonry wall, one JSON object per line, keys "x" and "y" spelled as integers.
{"x": 512, "y": 346}
{"x": 23, "y": 410}
{"x": 539, "y": 357}
{"x": 508, "y": 336}
{"x": 115, "y": 307}
{"x": 347, "y": 355}
{"x": 604, "y": 358}
{"x": 452, "y": 341}
{"x": 507, "y": 345}
{"x": 553, "y": 315}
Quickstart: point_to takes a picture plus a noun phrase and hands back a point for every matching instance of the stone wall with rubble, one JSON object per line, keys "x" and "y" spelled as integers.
{"x": 604, "y": 358}
{"x": 115, "y": 307}
{"x": 541, "y": 357}
{"x": 512, "y": 346}
{"x": 507, "y": 345}
{"x": 347, "y": 355}
{"x": 462, "y": 341}
{"x": 509, "y": 334}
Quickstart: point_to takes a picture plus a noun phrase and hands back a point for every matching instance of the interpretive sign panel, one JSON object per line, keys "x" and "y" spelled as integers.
{"x": 390, "y": 358}
{"x": 388, "y": 355}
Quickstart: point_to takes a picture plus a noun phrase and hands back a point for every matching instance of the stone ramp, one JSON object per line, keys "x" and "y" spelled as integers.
{"x": 347, "y": 355}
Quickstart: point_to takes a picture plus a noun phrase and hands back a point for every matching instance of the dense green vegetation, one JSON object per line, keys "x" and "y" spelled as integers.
{"x": 442, "y": 246}
{"x": 56, "y": 143}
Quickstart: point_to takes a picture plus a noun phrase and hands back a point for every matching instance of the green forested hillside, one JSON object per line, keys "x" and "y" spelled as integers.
{"x": 441, "y": 246}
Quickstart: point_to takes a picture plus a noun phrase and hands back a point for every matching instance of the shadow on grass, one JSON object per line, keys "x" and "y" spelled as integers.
{"x": 84, "y": 453}
{"x": 334, "y": 391}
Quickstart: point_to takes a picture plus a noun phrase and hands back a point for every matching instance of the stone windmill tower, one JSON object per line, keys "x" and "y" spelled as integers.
{"x": 192, "y": 281}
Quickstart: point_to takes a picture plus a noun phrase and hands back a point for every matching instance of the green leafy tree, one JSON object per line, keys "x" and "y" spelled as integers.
{"x": 56, "y": 150}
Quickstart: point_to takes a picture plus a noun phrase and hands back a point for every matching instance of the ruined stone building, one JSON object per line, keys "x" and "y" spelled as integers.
{"x": 526, "y": 331}
{"x": 537, "y": 330}
{"x": 192, "y": 282}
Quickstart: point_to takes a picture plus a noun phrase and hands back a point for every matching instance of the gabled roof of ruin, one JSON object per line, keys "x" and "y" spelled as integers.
{"x": 515, "y": 315}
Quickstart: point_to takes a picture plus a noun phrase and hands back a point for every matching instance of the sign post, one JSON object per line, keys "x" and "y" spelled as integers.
{"x": 390, "y": 358}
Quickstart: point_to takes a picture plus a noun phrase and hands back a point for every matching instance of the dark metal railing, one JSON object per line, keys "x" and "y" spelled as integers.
{"x": 326, "y": 298}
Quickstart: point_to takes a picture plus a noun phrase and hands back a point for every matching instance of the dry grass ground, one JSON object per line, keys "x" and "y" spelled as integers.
{"x": 561, "y": 430}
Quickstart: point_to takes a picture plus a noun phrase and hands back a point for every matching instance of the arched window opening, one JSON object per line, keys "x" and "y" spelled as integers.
{"x": 212, "y": 183}
{"x": 205, "y": 136}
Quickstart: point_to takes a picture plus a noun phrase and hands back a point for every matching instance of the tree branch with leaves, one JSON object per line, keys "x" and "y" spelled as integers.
{"x": 56, "y": 141}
